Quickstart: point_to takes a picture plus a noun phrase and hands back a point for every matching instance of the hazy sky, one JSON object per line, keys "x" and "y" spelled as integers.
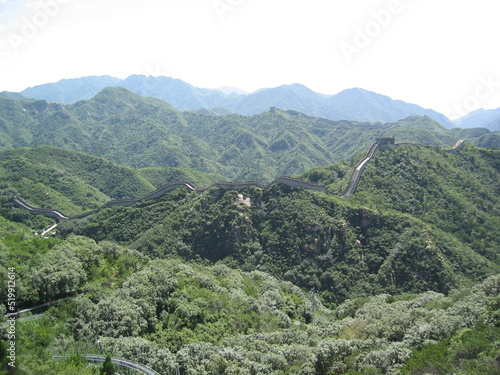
{"x": 440, "y": 54}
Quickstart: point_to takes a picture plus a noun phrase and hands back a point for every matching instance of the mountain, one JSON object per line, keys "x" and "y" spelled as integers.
{"x": 482, "y": 118}
{"x": 416, "y": 209}
{"x": 71, "y": 90}
{"x": 74, "y": 182}
{"x": 310, "y": 239}
{"x": 146, "y": 132}
{"x": 353, "y": 104}
{"x": 288, "y": 97}
{"x": 363, "y": 105}
{"x": 447, "y": 191}
{"x": 11, "y": 95}
{"x": 231, "y": 90}
{"x": 178, "y": 93}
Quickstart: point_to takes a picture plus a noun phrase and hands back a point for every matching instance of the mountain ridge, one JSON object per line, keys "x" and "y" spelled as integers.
{"x": 482, "y": 118}
{"x": 138, "y": 131}
{"x": 362, "y": 105}
{"x": 284, "y": 180}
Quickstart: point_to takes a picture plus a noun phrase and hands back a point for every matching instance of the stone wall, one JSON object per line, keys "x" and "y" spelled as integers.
{"x": 54, "y": 214}
{"x": 458, "y": 146}
{"x": 237, "y": 185}
{"x": 288, "y": 181}
{"x": 296, "y": 183}
{"x": 356, "y": 175}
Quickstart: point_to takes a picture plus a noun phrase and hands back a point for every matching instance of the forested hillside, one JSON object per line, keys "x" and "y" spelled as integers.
{"x": 457, "y": 193}
{"x": 74, "y": 183}
{"x": 211, "y": 319}
{"x": 143, "y": 132}
{"x": 486, "y": 118}
{"x": 402, "y": 277}
{"x": 417, "y": 207}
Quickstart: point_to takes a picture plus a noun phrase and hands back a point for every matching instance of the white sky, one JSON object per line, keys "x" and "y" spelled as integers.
{"x": 440, "y": 54}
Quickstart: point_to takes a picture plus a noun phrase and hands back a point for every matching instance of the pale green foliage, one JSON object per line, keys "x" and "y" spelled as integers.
{"x": 215, "y": 320}
{"x": 64, "y": 269}
{"x": 59, "y": 273}
{"x": 113, "y": 317}
{"x": 139, "y": 285}
{"x": 388, "y": 359}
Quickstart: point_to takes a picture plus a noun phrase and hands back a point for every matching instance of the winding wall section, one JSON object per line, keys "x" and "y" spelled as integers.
{"x": 285, "y": 180}
{"x": 58, "y": 215}
{"x": 356, "y": 175}
{"x": 384, "y": 144}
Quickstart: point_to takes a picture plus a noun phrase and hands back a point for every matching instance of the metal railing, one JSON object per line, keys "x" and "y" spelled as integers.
{"x": 123, "y": 363}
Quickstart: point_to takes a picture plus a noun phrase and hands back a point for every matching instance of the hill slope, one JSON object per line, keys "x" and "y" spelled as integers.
{"x": 170, "y": 314}
{"x": 434, "y": 233}
{"x": 73, "y": 90}
{"x": 457, "y": 193}
{"x": 73, "y": 182}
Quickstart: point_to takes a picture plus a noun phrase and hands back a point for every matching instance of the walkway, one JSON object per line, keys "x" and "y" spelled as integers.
{"x": 353, "y": 183}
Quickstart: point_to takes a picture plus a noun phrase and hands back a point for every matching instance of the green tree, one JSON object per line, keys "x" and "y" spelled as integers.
{"x": 108, "y": 368}
{"x": 3, "y": 357}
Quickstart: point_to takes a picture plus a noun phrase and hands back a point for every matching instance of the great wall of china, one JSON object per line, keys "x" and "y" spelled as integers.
{"x": 381, "y": 144}
{"x": 60, "y": 216}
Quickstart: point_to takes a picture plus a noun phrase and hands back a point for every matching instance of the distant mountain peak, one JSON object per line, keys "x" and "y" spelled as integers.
{"x": 228, "y": 90}
{"x": 484, "y": 118}
{"x": 355, "y": 104}
{"x": 296, "y": 87}
{"x": 361, "y": 92}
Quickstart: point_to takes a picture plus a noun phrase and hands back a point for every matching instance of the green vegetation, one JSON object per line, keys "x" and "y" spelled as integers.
{"x": 159, "y": 176}
{"x": 456, "y": 193}
{"x": 144, "y": 132}
{"x": 471, "y": 351}
{"x": 107, "y": 367}
{"x": 401, "y": 278}
{"x": 74, "y": 183}
{"x": 217, "y": 320}
{"x": 308, "y": 238}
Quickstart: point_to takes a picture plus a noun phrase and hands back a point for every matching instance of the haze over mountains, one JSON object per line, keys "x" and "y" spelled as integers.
{"x": 353, "y": 104}
{"x": 483, "y": 118}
